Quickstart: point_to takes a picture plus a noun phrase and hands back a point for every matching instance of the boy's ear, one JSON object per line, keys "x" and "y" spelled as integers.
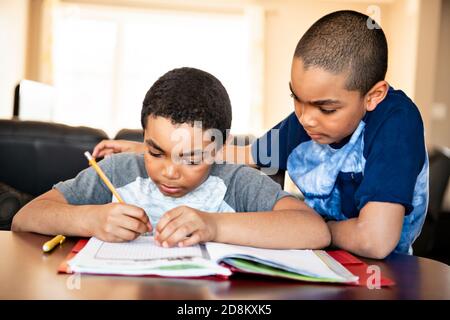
{"x": 376, "y": 95}
{"x": 143, "y": 135}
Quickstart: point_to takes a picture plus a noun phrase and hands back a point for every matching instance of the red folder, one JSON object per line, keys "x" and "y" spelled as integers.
{"x": 358, "y": 268}
{"x": 350, "y": 262}
{"x": 64, "y": 267}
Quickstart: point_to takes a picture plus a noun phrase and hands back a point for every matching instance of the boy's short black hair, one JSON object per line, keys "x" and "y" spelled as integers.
{"x": 188, "y": 95}
{"x": 346, "y": 41}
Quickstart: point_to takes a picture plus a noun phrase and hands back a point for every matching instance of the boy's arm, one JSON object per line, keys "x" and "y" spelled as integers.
{"x": 374, "y": 233}
{"x": 51, "y": 214}
{"x": 291, "y": 225}
{"x": 395, "y": 158}
{"x": 108, "y": 147}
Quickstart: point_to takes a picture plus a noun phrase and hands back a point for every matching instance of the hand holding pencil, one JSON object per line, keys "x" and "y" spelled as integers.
{"x": 112, "y": 222}
{"x": 118, "y": 221}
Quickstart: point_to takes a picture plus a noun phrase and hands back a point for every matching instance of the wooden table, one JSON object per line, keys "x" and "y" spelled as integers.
{"x": 28, "y": 273}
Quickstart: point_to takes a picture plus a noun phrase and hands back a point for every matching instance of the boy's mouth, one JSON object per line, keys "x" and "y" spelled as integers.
{"x": 171, "y": 190}
{"x": 315, "y": 136}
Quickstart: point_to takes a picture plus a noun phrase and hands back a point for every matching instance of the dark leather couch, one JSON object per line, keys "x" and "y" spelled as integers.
{"x": 434, "y": 240}
{"x": 36, "y": 155}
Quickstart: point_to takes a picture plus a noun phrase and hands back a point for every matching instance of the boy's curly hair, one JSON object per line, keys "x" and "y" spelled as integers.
{"x": 188, "y": 95}
{"x": 346, "y": 41}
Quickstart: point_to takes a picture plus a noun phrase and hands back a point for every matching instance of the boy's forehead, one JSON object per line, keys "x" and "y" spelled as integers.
{"x": 315, "y": 83}
{"x": 167, "y": 125}
{"x": 166, "y": 135}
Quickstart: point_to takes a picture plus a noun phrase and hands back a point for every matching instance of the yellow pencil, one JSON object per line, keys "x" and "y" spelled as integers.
{"x": 102, "y": 175}
{"x": 105, "y": 179}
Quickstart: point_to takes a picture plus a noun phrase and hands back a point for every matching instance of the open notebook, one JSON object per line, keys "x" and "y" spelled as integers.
{"x": 143, "y": 257}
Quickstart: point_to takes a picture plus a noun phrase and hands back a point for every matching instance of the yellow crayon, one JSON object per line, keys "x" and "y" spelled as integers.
{"x": 50, "y": 245}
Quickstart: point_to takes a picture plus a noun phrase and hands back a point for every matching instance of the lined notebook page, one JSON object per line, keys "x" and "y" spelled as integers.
{"x": 143, "y": 257}
{"x": 143, "y": 248}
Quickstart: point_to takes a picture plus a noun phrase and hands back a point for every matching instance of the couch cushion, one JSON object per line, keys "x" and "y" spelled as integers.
{"x": 11, "y": 201}
{"x": 35, "y": 155}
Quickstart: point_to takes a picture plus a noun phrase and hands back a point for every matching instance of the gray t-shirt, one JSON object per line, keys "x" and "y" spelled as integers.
{"x": 229, "y": 188}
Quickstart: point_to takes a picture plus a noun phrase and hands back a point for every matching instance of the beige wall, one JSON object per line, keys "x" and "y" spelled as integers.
{"x": 427, "y": 53}
{"x": 401, "y": 25}
{"x": 440, "y": 117}
{"x": 13, "y": 24}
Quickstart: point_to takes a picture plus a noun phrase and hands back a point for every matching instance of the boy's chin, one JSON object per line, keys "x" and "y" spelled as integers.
{"x": 173, "y": 195}
{"x": 322, "y": 140}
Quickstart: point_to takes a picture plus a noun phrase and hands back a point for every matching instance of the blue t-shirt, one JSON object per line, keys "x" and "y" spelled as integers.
{"x": 384, "y": 160}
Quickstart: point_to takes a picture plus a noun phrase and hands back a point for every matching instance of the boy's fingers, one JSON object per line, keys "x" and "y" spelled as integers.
{"x": 133, "y": 225}
{"x": 168, "y": 217}
{"x": 106, "y": 147}
{"x": 134, "y": 212}
{"x": 171, "y": 228}
{"x": 104, "y": 153}
{"x": 179, "y": 234}
{"x": 194, "y": 239}
{"x": 99, "y": 147}
{"x": 119, "y": 234}
{"x": 126, "y": 235}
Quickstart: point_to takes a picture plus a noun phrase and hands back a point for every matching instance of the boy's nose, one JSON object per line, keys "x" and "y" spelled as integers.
{"x": 170, "y": 172}
{"x": 307, "y": 119}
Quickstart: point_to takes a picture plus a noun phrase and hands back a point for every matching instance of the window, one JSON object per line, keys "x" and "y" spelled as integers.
{"x": 106, "y": 58}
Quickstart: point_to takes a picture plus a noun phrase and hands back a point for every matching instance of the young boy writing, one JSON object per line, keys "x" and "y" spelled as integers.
{"x": 354, "y": 146}
{"x": 174, "y": 188}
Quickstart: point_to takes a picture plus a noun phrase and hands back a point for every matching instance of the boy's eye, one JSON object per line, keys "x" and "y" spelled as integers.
{"x": 326, "y": 111}
{"x": 156, "y": 155}
{"x": 194, "y": 162}
{"x": 293, "y": 96}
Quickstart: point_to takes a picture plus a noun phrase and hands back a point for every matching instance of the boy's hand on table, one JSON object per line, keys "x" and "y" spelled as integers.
{"x": 184, "y": 226}
{"x": 108, "y": 147}
{"x": 117, "y": 222}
